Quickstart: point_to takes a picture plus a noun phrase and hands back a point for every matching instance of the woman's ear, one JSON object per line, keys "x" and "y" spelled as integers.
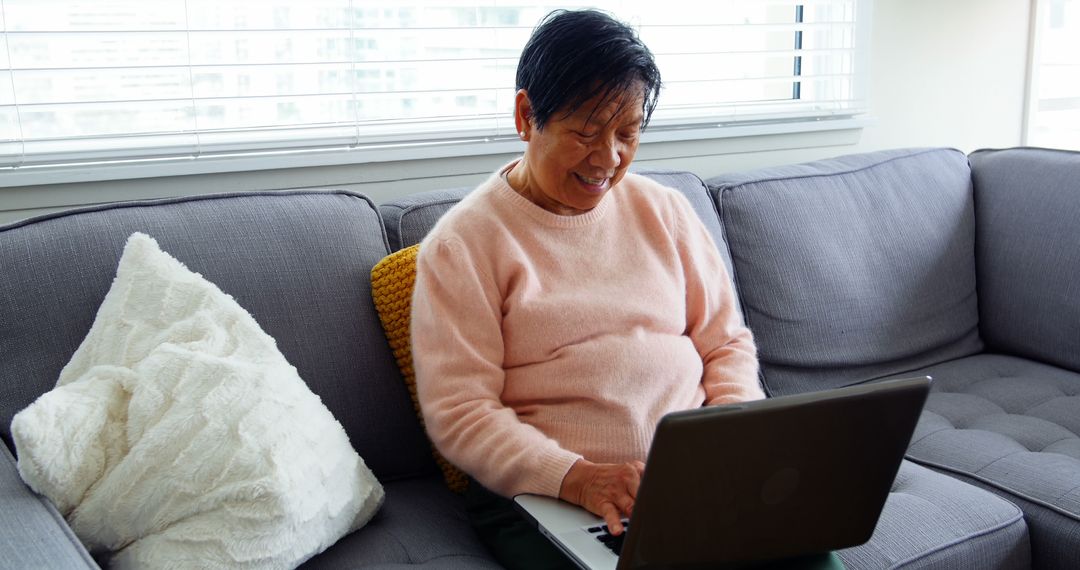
{"x": 523, "y": 114}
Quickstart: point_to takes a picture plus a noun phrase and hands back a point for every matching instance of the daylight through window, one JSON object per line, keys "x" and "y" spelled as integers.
{"x": 120, "y": 80}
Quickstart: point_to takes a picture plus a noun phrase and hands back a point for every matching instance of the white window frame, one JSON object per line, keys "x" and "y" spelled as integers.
{"x": 412, "y": 150}
{"x": 1039, "y": 15}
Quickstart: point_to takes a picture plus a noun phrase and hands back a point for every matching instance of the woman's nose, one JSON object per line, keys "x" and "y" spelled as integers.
{"x": 606, "y": 155}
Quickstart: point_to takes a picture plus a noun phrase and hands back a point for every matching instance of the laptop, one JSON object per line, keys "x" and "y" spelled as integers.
{"x": 743, "y": 483}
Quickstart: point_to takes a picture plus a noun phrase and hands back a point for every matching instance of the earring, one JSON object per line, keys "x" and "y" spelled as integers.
{"x": 522, "y": 133}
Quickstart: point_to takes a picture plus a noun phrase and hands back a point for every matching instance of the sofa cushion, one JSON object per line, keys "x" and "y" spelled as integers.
{"x": 179, "y": 432}
{"x": 931, "y": 520}
{"x": 392, "y": 282}
{"x": 421, "y": 525}
{"x": 1027, "y": 207}
{"x": 298, "y": 261}
{"x": 1012, "y": 425}
{"x": 855, "y": 267}
{"x": 408, "y": 219}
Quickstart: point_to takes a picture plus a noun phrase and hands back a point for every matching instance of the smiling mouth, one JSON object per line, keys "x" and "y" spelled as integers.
{"x": 592, "y": 181}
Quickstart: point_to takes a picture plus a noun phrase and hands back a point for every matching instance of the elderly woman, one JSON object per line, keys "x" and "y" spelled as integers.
{"x": 565, "y": 305}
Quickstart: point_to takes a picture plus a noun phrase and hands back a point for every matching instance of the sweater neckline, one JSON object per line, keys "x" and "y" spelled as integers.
{"x": 539, "y": 214}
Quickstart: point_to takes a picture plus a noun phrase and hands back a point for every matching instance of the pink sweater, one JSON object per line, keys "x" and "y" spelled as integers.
{"x": 539, "y": 339}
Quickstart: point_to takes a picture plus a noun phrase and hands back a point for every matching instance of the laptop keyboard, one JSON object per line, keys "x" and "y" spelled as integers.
{"x": 609, "y": 540}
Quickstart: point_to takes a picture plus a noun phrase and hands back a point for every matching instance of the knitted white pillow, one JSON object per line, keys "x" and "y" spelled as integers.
{"x": 179, "y": 436}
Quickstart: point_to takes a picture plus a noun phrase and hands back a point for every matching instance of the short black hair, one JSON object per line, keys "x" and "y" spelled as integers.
{"x": 575, "y": 55}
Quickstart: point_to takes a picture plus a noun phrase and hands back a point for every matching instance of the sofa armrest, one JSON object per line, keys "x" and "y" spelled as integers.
{"x": 32, "y": 532}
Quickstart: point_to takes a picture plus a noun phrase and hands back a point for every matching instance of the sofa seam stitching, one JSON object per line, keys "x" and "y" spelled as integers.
{"x": 994, "y": 150}
{"x": 843, "y": 172}
{"x": 717, "y": 198}
{"x": 145, "y": 202}
{"x": 1067, "y": 438}
{"x": 1018, "y": 516}
{"x": 415, "y": 207}
{"x": 1020, "y": 494}
{"x": 401, "y": 544}
{"x": 457, "y": 555}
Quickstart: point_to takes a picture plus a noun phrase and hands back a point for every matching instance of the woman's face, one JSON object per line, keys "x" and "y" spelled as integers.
{"x": 574, "y": 160}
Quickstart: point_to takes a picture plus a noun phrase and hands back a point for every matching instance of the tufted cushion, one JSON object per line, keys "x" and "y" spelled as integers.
{"x": 931, "y": 520}
{"x": 1008, "y": 421}
{"x": 421, "y": 526}
{"x": 1011, "y": 425}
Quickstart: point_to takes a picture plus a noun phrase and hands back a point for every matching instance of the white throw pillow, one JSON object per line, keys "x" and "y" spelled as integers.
{"x": 179, "y": 436}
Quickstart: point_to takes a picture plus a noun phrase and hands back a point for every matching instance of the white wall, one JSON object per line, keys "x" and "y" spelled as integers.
{"x": 945, "y": 73}
{"x": 948, "y": 73}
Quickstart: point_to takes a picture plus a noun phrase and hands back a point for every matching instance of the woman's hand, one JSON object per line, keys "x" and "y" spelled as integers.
{"x": 604, "y": 489}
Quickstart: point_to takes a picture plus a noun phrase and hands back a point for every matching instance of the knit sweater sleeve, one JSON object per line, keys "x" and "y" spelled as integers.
{"x": 458, "y": 356}
{"x": 714, "y": 324}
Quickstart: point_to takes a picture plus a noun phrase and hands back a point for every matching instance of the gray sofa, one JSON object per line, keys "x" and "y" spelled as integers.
{"x": 848, "y": 270}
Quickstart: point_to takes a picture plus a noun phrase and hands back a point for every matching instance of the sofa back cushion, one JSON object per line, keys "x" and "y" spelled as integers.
{"x": 299, "y": 262}
{"x": 1027, "y": 211}
{"x": 854, "y": 268}
{"x": 410, "y": 218}
{"x": 697, "y": 192}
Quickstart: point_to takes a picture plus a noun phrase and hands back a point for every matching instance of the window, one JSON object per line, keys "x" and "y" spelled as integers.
{"x": 130, "y": 80}
{"x": 1053, "y": 114}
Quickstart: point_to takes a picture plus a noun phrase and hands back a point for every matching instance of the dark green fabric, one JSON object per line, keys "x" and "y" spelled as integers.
{"x": 827, "y": 561}
{"x": 517, "y": 544}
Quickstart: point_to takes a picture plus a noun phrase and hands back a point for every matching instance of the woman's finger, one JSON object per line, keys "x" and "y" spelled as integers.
{"x": 633, "y": 484}
{"x": 612, "y": 518}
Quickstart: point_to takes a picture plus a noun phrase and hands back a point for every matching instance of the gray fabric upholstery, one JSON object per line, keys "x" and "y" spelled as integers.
{"x": 1027, "y": 207}
{"x": 697, "y": 193}
{"x": 934, "y": 521}
{"x": 421, "y": 525}
{"x": 409, "y": 218}
{"x": 1053, "y": 536}
{"x": 852, "y": 269}
{"x": 968, "y": 528}
{"x": 300, "y": 262}
{"x": 1011, "y": 425}
{"x": 31, "y": 529}
{"x": 856, "y": 267}
{"x": 930, "y": 521}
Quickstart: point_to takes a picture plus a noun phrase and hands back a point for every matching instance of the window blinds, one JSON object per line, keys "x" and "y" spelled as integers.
{"x": 120, "y": 80}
